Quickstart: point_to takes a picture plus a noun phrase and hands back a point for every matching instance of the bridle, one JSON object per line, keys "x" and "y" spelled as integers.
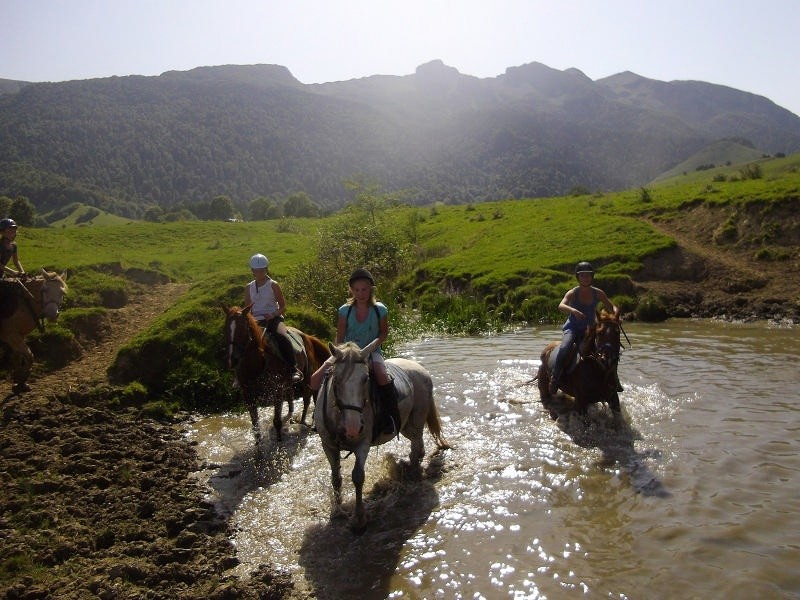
{"x": 236, "y": 342}
{"x": 330, "y": 383}
{"x": 337, "y": 402}
{"x": 607, "y": 352}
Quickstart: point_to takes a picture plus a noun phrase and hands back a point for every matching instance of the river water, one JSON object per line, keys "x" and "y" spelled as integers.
{"x": 695, "y": 495}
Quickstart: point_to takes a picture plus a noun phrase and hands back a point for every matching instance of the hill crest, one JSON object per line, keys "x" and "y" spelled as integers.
{"x": 250, "y": 131}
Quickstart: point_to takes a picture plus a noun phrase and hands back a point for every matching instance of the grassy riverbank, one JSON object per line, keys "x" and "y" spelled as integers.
{"x": 710, "y": 243}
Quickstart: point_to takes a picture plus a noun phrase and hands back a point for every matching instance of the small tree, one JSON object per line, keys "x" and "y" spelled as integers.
{"x": 300, "y": 204}
{"x": 23, "y": 212}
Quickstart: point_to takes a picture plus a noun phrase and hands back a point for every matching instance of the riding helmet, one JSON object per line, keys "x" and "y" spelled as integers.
{"x": 259, "y": 261}
{"x": 584, "y": 267}
{"x": 361, "y": 274}
{"x": 7, "y": 223}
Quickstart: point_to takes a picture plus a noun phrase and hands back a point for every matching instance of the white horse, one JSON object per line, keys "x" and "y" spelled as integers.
{"x": 344, "y": 414}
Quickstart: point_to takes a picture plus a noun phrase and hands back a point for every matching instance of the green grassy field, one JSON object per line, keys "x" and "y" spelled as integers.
{"x": 473, "y": 266}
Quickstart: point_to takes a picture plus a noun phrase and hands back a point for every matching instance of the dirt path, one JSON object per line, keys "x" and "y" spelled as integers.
{"x": 700, "y": 278}
{"x": 126, "y": 322}
{"x": 98, "y": 503}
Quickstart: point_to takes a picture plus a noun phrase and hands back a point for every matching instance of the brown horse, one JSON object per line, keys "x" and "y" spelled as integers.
{"x": 25, "y": 304}
{"x": 591, "y": 376}
{"x": 261, "y": 371}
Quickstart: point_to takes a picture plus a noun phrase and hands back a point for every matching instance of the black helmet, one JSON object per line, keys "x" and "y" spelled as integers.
{"x": 584, "y": 267}
{"x": 6, "y": 223}
{"x": 361, "y": 274}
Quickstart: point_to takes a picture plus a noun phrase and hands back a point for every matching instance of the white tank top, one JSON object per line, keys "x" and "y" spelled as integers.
{"x": 265, "y": 305}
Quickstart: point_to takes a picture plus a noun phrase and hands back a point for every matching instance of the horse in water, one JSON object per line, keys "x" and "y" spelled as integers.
{"x": 344, "y": 414}
{"x": 590, "y": 374}
{"x": 262, "y": 372}
{"x": 25, "y": 304}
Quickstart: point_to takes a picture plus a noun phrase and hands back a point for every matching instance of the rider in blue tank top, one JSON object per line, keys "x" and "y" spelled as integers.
{"x": 580, "y": 304}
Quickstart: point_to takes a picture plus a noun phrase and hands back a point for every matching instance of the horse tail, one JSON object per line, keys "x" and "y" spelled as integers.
{"x": 435, "y": 427}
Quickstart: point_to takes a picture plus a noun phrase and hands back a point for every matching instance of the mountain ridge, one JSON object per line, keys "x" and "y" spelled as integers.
{"x": 249, "y": 131}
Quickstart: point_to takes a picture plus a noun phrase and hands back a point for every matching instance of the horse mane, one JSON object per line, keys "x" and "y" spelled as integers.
{"x": 349, "y": 351}
{"x": 255, "y": 331}
{"x": 604, "y": 315}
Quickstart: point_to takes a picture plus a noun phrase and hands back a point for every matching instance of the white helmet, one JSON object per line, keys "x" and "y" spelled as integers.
{"x": 259, "y": 261}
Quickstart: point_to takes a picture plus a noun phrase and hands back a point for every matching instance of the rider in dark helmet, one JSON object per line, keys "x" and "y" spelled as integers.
{"x": 362, "y": 319}
{"x": 8, "y": 248}
{"x": 580, "y": 303}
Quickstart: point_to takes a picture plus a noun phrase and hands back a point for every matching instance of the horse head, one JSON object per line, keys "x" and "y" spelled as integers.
{"x": 54, "y": 288}
{"x": 349, "y": 385}
{"x": 607, "y": 340}
{"x": 241, "y": 332}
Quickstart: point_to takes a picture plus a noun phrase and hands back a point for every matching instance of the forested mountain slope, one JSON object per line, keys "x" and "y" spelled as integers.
{"x": 126, "y": 143}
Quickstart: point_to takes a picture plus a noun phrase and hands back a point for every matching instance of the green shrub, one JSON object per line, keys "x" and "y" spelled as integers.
{"x": 651, "y": 309}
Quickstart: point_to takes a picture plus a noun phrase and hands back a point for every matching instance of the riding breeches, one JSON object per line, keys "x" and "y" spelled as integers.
{"x": 569, "y": 338}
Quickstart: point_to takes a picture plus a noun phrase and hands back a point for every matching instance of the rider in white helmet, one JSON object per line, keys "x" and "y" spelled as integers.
{"x": 269, "y": 308}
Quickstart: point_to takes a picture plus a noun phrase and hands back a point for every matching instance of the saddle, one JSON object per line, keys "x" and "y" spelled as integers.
{"x": 270, "y": 338}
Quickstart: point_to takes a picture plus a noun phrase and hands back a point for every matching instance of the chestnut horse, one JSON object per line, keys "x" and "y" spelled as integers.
{"x": 591, "y": 376}
{"x": 344, "y": 415}
{"x": 261, "y": 371}
{"x": 25, "y": 304}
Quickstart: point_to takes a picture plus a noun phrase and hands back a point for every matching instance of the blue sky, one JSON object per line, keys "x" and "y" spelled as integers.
{"x": 745, "y": 45}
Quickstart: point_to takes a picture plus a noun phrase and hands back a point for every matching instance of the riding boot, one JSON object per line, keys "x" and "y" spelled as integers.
{"x": 287, "y": 351}
{"x": 390, "y": 410}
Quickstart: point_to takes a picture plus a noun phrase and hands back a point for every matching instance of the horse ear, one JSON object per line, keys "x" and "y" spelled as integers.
{"x": 246, "y": 309}
{"x": 224, "y": 308}
{"x": 63, "y": 275}
{"x": 335, "y": 351}
{"x": 370, "y": 348}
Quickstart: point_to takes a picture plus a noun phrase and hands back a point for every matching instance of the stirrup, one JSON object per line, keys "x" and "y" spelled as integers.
{"x": 390, "y": 427}
{"x": 297, "y": 376}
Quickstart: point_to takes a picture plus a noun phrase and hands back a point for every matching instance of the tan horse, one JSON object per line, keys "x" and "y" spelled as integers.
{"x": 24, "y": 305}
{"x": 261, "y": 372}
{"x": 344, "y": 415}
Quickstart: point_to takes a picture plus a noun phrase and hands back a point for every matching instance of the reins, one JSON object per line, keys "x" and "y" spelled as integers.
{"x": 29, "y": 300}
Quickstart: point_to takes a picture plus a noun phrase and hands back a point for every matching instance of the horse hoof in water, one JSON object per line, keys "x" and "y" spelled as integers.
{"x": 20, "y": 388}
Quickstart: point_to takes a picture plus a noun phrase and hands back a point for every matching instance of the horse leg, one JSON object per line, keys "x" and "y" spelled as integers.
{"x": 360, "y": 517}
{"x": 290, "y": 403}
{"x": 21, "y": 364}
{"x": 613, "y": 400}
{"x": 306, "y": 403}
{"x": 277, "y": 422}
{"x": 252, "y": 408}
{"x": 417, "y": 454}
{"x": 334, "y": 461}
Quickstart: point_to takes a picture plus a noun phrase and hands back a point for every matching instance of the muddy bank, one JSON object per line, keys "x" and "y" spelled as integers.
{"x": 97, "y": 503}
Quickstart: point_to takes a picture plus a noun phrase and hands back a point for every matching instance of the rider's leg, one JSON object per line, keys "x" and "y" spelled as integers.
{"x": 387, "y": 396}
{"x": 567, "y": 340}
{"x": 287, "y": 351}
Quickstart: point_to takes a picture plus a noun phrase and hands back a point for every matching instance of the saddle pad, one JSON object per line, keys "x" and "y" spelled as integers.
{"x": 297, "y": 340}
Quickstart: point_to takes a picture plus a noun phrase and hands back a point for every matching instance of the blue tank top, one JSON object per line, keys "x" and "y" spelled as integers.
{"x": 363, "y": 333}
{"x": 572, "y": 322}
